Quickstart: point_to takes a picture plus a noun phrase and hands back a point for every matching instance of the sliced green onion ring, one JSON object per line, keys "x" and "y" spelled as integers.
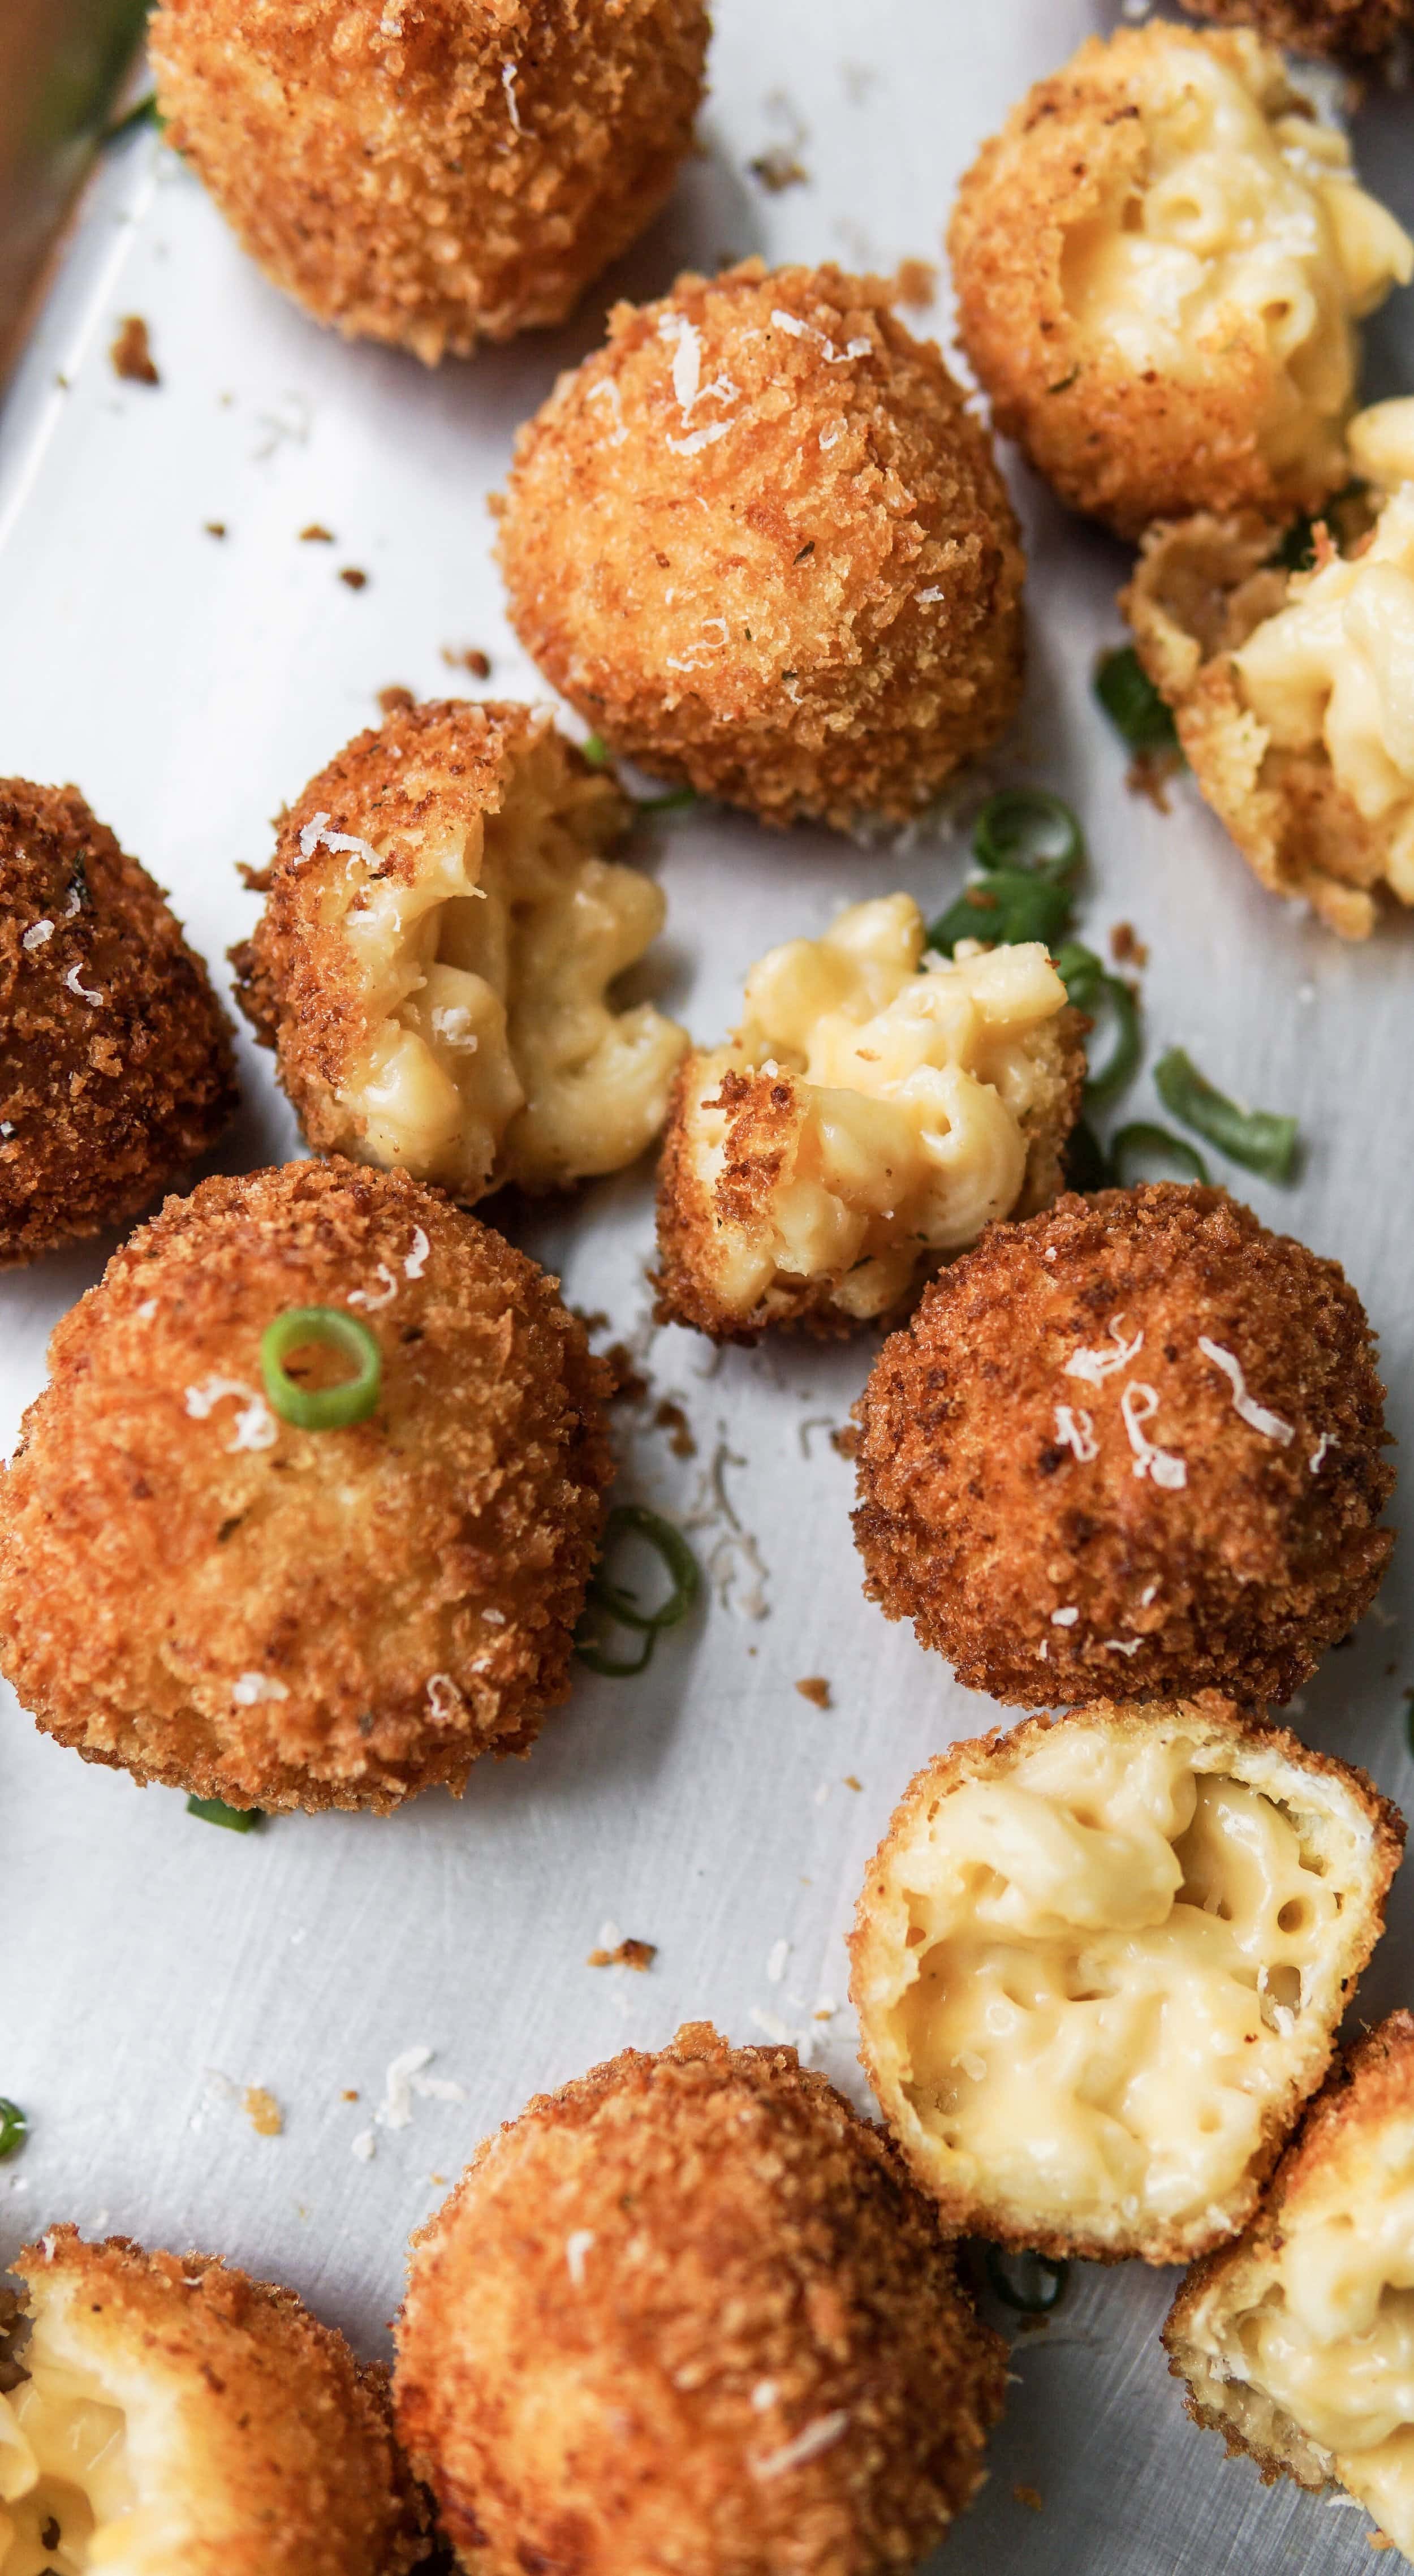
{"x": 1085, "y": 1164}
{"x": 1142, "y": 1137}
{"x": 1004, "y": 908}
{"x": 14, "y": 2128}
{"x": 613, "y": 1603}
{"x": 1030, "y": 828}
{"x": 214, "y": 1811}
{"x": 1033, "y": 2295}
{"x": 676, "y": 801}
{"x": 145, "y": 112}
{"x": 1257, "y": 1138}
{"x": 595, "y": 750}
{"x": 322, "y": 1408}
{"x": 1091, "y": 986}
{"x": 1132, "y": 703}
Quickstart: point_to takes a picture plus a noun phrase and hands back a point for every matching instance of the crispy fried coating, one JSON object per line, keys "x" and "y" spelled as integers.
{"x": 115, "y": 1056}
{"x": 1158, "y": 266}
{"x": 1100, "y": 1963}
{"x": 437, "y": 172}
{"x": 690, "y": 2312}
{"x": 441, "y": 929}
{"x": 760, "y": 544}
{"x": 1358, "y": 32}
{"x": 196, "y": 1591}
{"x": 1324, "y": 2269}
{"x": 189, "y": 2416}
{"x": 1050, "y": 1435}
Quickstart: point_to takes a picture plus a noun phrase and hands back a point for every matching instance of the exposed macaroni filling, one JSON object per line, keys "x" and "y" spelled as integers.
{"x": 1109, "y": 1952}
{"x": 1335, "y": 668}
{"x": 912, "y": 1080}
{"x": 1249, "y": 224}
{"x": 499, "y": 1057}
{"x": 66, "y": 2489}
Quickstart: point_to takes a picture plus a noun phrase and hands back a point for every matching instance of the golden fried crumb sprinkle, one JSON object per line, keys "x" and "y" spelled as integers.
{"x": 915, "y": 283}
{"x": 1126, "y": 947}
{"x": 467, "y": 657}
{"x": 816, "y": 1689}
{"x": 263, "y": 2111}
{"x": 214, "y": 527}
{"x": 352, "y": 578}
{"x": 315, "y": 535}
{"x": 1030, "y": 2496}
{"x": 396, "y": 700}
{"x": 131, "y": 353}
{"x": 625, "y": 1954}
{"x": 671, "y": 1418}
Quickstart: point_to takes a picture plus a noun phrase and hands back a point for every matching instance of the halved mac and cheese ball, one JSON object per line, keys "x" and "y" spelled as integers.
{"x": 690, "y": 2312}
{"x": 1136, "y": 1442}
{"x": 172, "y": 2414}
{"x": 247, "y": 1571}
{"x": 872, "y": 1113}
{"x": 1159, "y": 267}
{"x": 1295, "y": 2343}
{"x": 1294, "y": 692}
{"x": 763, "y": 547}
{"x": 432, "y": 172}
{"x": 1358, "y": 32}
{"x": 441, "y": 929}
{"x": 1100, "y": 1963}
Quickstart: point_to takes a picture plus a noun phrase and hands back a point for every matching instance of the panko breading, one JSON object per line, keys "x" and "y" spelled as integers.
{"x": 1100, "y": 1964}
{"x": 1159, "y": 265}
{"x": 690, "y": 2312}
{"x": 175, "y": 2413}
{"x": 441, "y": 929}
{"x": 1136, "y": 1442}
{"x": 115, "y": 1056}
{"x": 1293, "y": 693}
{"x": 871, "y": 1115}
{"x": 1295, "y": 2342}
{"x": 760, "y": 544}
{"x": 193, "y": 1590}
{"x": 436, "y": 172}
{"x": 1348, "y": 31}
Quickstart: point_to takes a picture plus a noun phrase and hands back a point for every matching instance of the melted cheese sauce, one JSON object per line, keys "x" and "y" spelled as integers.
{"x": 499, "y": 1057}
{"x": 1335, "y": 668}
{"x": 65, "y": 2483}
{"x": 1108, "y": 1955}
{"x": 911, "y": 1082}
{"x": 1249, "y": 225}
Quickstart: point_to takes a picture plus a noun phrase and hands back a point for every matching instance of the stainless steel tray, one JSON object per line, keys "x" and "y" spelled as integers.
{"x": 150, "y": 1967}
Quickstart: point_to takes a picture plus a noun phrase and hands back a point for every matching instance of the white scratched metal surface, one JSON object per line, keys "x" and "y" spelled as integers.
{"x": 189, "y": 685}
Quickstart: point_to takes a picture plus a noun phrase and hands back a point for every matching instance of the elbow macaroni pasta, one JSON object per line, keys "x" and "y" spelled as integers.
{"x": 64, "y": 2461}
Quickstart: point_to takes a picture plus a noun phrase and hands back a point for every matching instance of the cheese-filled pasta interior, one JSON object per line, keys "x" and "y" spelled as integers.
{"x": 70, "y": 2487}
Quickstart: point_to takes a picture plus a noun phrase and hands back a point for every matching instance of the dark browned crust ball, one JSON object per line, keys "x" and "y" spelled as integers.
{"x": 709, "y": 2252}
{"x": 432, "y": 172}
{"x": 774, "y": 562}
{"x": 115, "y": 1056}
{"x": 1349, "y": 31}
{"x": 978, "y": 1520}
{"x": 199, "y": 1593}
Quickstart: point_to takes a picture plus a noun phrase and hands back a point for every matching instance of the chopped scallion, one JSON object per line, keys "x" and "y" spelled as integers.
{"x": 595, "y": 750}
{"x": 676, "y": 801}
{"x": 1257, "y": 1138}
{"x": 1093, "y": 989}
{"x": 1029, "y": 827}
{"x": 146, "y": 112}
{"x": 614, "y": 1604}
{"x": 1031, "y": 2283}
{"x": 214, "y": 1811}
{"x": 1143, "y": 1142}
{"x": 322, "y": 1408}
{"x": 1085, "y": 1164}
{"x": 1029, "y": 845}
{"x": 14, "y": 2128}
{"x": 1132, "y": 702}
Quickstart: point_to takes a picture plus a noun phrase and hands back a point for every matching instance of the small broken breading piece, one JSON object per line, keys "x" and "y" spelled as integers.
{"x": 265, "y": 2117}
{"x": 745, "y": 2285}
{"x": 440, "y": 934}
{"x": 115, "y": 1056}
{"x": 169, "y": 2412}
{"x": 1357, "y": 32}
{"x": 1100, "y": 1964}
{"x": 761, "y": 545}
{"x": 131, "y": 353}
{"x": 625, "y": 1954}
{"x": 1159, "y": 265}
{"x": 1061, "y": 1477}
{"x": 816, "y": 1689}
{"x": 876, "y": 1108}
{"x": 195, "y": 1588}
{"x": 1295, "y": 2342}
{"x": 432, "y": 174}
{"x": 1294, "y": 692}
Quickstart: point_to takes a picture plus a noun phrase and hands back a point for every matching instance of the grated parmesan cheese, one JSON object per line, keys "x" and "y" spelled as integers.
{"x": 1139, "y": 1404}
{"x": 1096, "y": 1366}
{"x": 577, "y": 2245}
{"x": 1076, "y": 1431}
{"x": 1255, "y": 1415}
{"x": 807, "y": 2445}
{"x": 36, "y": 935}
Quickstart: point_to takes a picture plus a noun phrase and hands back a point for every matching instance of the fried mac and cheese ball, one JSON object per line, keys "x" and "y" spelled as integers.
{"x": 1136, "y": 1442}
{"x": 198, "y": 1590}
{"x": 761, "y": 545}
{"x": 440, "y": 933}
{"x": 115, "y": 1056}
{"x": 1295, "y": 2343}
{"x": 1293, "y": 692}
{"x": 1159, "y": 267}
{"x": 1100, "y": 1963}
{"x": 1358, "y": 32}
{"x": 173, "y": 2414}
{"x": 432, "y": 172}
{"x": 690, "y": 2312}
{"x": 874, "y": 1110}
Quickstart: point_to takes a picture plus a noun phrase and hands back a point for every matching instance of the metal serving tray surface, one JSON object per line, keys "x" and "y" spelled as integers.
{"x": 151, "y": 1968}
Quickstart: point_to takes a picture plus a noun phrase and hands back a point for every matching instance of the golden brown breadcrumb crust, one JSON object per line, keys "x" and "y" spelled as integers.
{"x": 770, "y": 557}
{"x": 1124, "y": 445}
{"x": 744, "y": 2285}
{"x": 764, "y": 1122}
{"x": 1347, "y": 31}
{"x": 115, "y": 1056}
{"x": 1201, "y": 588}
{"x": 433, "y": 173}
{"x": 285, "y": 2429}
{"x": 978, "y": 1517}
{"x": 1256, "y": 1747}
{"x": 1373, "y": 2083}
{"x": 199, "y": 1593}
